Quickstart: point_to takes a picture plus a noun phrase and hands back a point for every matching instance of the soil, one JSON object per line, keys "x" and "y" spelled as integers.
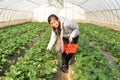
{"x": 64, "y": 76}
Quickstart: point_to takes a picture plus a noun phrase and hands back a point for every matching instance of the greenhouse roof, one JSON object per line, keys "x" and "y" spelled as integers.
{"x": 88, "y": 5}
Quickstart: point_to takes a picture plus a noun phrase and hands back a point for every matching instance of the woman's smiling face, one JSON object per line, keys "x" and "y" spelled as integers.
{"x": 54, "y": 23}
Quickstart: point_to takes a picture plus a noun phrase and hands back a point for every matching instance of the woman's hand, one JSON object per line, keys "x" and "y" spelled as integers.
{"x": 70, "y": 39}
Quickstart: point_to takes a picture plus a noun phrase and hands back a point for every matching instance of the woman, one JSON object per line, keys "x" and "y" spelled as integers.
{"x": 70, "y": 35}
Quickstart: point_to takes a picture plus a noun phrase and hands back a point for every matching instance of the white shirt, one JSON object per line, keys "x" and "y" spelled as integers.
{"x": 70, "y": 29}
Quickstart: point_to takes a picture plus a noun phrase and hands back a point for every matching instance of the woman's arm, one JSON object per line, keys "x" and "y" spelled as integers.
{"x": 75, "y": 29}
{"x": 72, "y": 27}
{"x": 52, "y": 41}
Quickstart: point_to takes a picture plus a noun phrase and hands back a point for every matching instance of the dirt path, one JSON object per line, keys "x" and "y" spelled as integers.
{"x": 107, "y": 55}
{"x": 64, "y": 76}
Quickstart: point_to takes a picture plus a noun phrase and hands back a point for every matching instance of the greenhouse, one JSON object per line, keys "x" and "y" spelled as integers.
{"x": 27, "y": 28}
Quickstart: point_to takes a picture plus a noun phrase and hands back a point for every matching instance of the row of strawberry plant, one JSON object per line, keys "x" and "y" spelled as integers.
{"x": 16, "y": 44}
{"x": 106, "y": 39}
{"x": 8, "y": 31}
{"x": 92, "y": 65}
{"x": 15, "y": 31}
{"x": 8, "y": 28}
{"x": 37, "y": 64}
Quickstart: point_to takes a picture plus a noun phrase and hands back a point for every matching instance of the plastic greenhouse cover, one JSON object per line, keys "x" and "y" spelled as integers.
{"x": 95, "y": 5}
{"x": 20, "y": 4}
{"x": 88, "y": 5}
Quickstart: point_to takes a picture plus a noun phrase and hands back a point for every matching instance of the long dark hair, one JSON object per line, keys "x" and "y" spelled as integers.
{"x": 56, "y": 30}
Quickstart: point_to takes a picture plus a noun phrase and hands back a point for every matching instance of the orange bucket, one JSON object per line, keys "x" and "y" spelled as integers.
{"x": 70, "y": 48}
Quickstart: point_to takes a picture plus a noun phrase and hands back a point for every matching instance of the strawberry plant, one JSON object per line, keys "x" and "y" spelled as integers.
{"x": 91, "y": 64}
{"x": 13, "y": 45}
{"x": 40, "y": 64}
{"x": 106, "y": 39}
{"x": 37, "y": 62}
